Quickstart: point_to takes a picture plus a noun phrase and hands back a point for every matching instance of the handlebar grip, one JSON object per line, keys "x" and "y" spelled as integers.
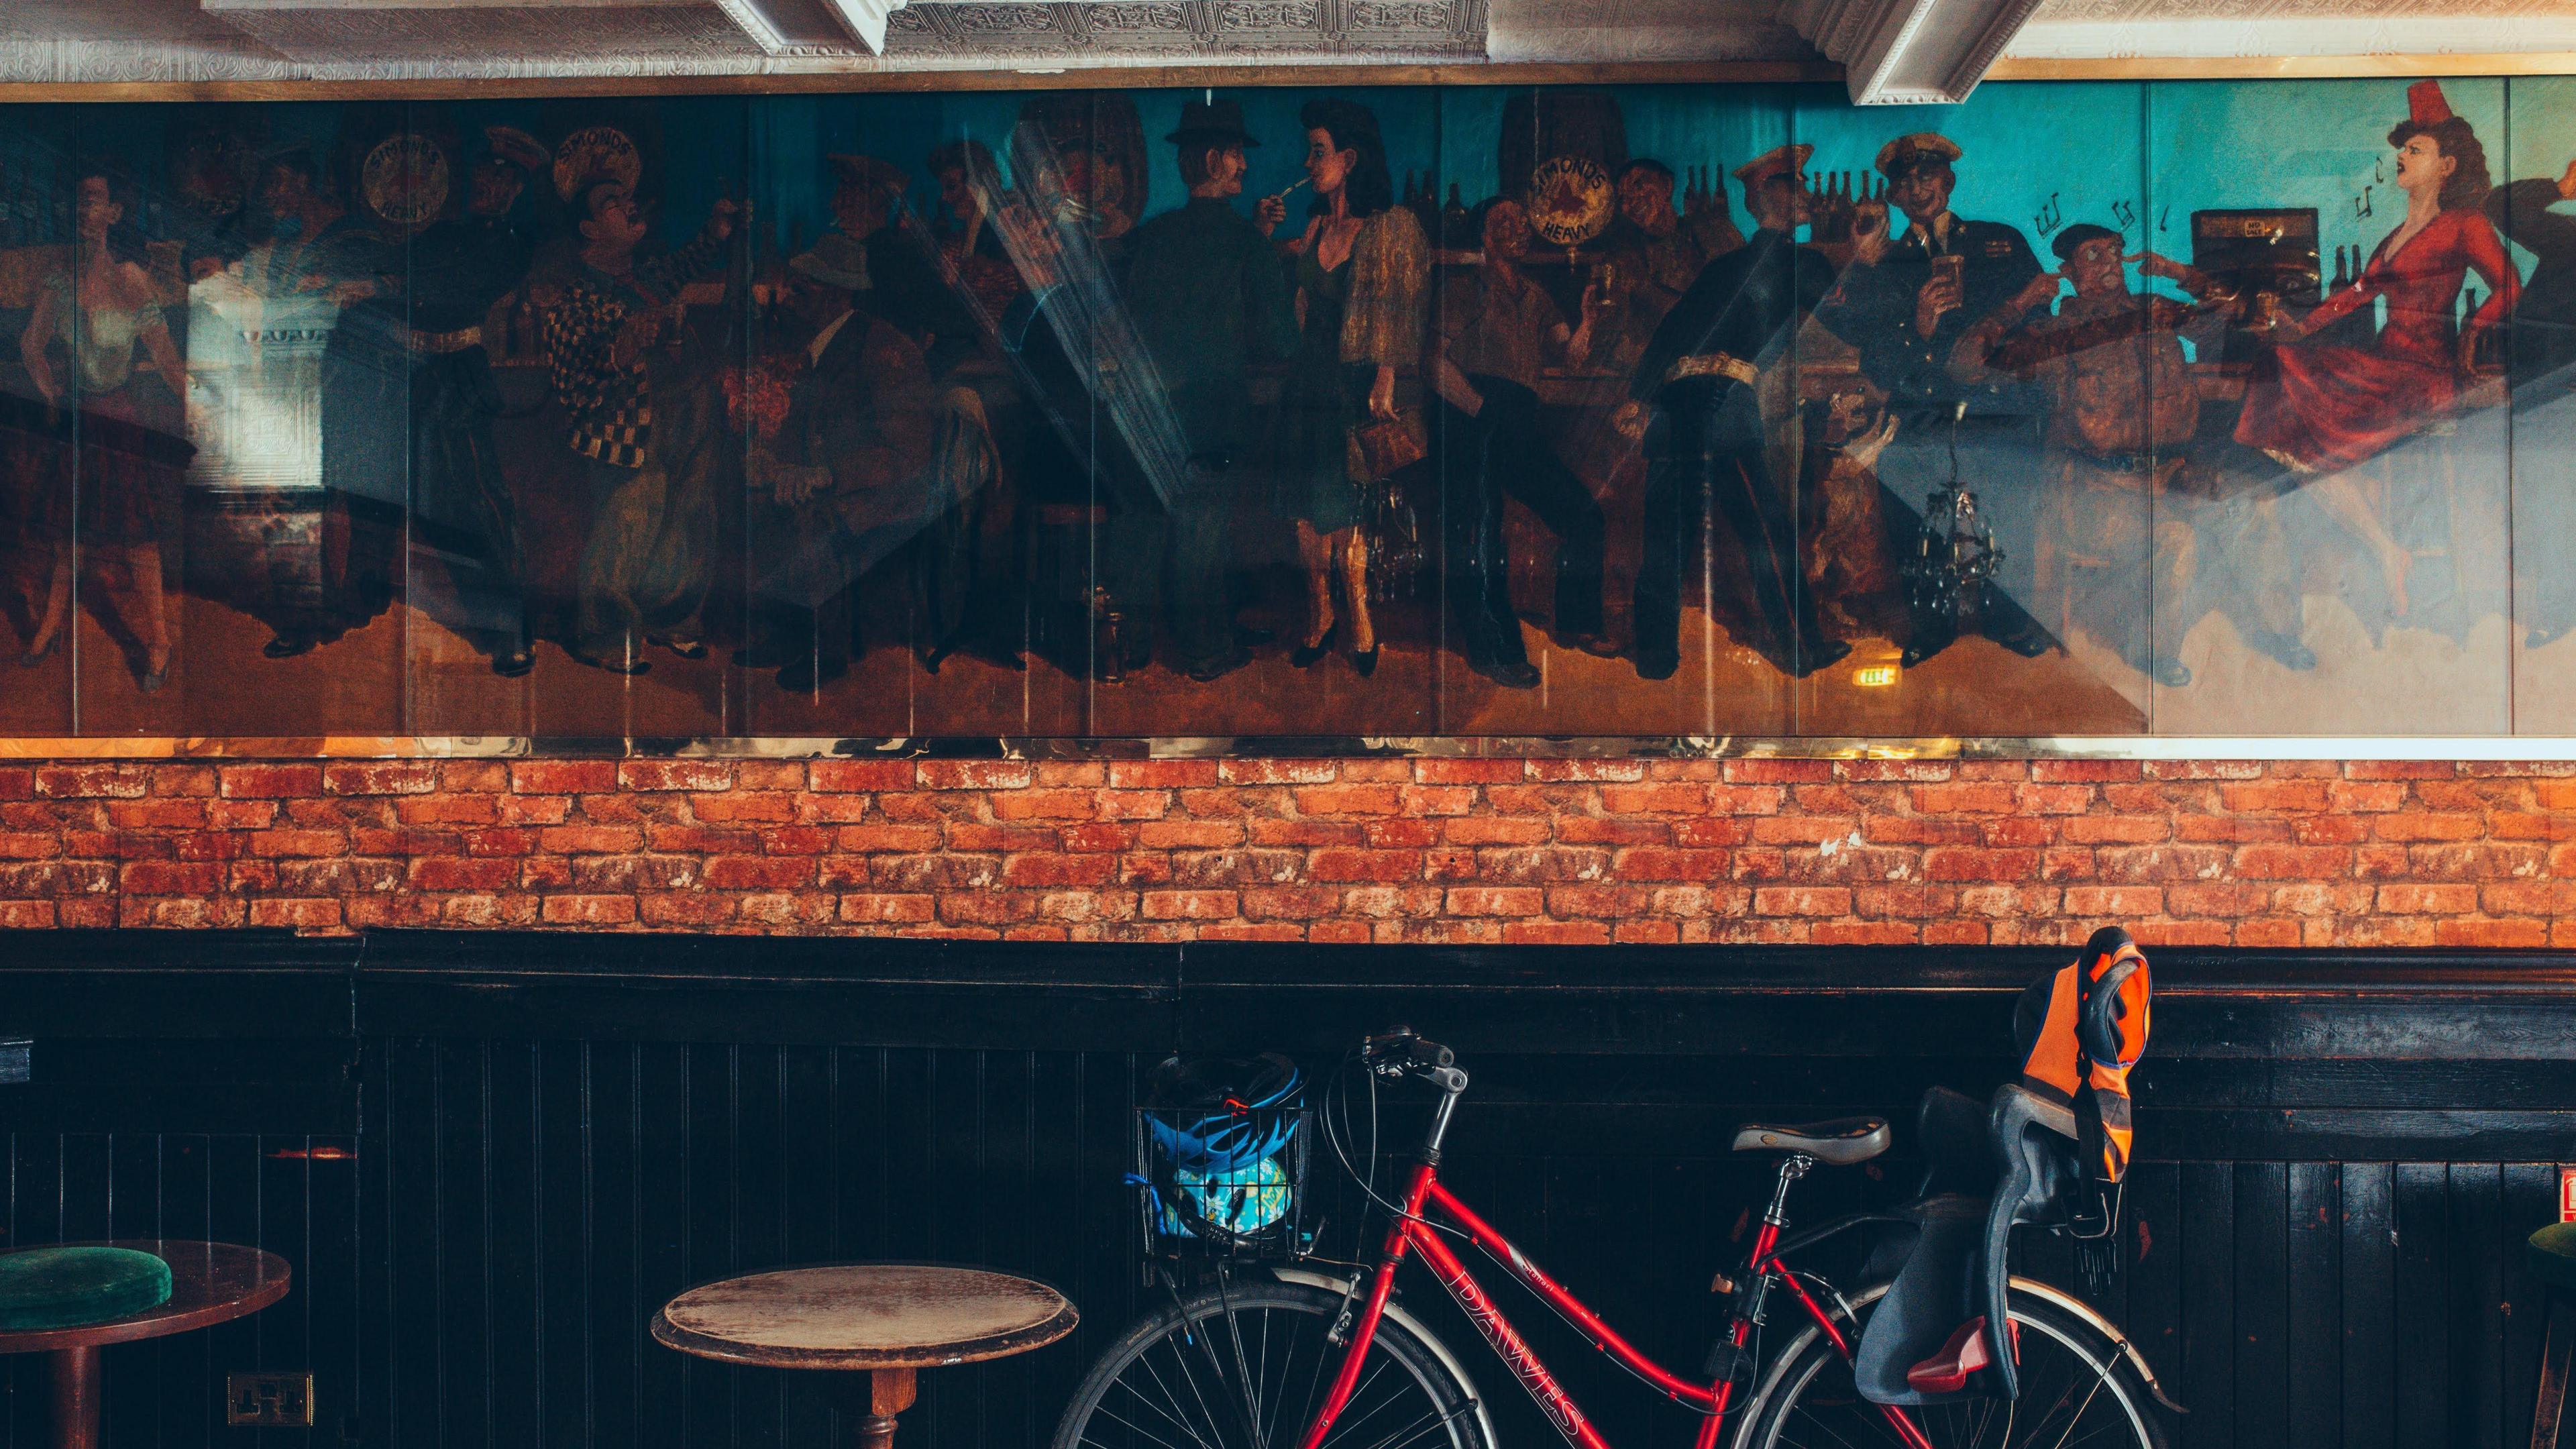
{"x": 1431, "y": 1054}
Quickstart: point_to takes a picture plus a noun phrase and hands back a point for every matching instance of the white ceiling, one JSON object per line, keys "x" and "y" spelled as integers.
{"x": 1893, "y": 50}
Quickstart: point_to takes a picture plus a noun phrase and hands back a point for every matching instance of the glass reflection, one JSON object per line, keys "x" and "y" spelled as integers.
{"x": 1582, "y": 411}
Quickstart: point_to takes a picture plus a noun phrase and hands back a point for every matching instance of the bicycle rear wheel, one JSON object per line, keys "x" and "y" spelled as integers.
{"x": 2078, "y": 1391}
{"x": 1245, "y": 1366}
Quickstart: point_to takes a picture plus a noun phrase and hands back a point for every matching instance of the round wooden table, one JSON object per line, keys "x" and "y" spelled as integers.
{"x": 884, "y": 1320}
{"x": 209, "y": 1283}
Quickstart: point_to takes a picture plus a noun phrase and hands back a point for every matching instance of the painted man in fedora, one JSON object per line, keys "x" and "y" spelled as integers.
{"x": 1209, "y": 301}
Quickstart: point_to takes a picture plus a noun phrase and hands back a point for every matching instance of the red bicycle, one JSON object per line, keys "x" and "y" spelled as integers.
{"x": 1288, "y": 1356}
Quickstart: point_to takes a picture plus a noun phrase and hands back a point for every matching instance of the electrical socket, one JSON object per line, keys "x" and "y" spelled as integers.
{"x": 269, "y": 1400}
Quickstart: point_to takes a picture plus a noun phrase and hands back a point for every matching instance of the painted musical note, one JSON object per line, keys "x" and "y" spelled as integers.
{"x": 2125, "y": 214}
{"x": 2361, "y": 203}
{"x": 2164, "y": 218}
{"x": 2049, "y": 216}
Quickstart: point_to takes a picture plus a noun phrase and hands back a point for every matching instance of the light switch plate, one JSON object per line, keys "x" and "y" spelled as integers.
{"x": 269, "y": 1400}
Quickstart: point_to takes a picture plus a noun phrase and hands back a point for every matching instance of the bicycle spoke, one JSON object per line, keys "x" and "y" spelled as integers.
{"x": 1251, "y": 1390}
{"x": 1181, "y": 1362}
{"x": 1133, "y": 1428}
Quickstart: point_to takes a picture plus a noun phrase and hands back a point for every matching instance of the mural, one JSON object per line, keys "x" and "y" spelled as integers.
{"x": 2234, "y": 409}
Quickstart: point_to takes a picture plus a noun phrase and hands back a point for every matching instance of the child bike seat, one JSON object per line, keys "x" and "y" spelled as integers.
{"x": 1838, "y": 1143}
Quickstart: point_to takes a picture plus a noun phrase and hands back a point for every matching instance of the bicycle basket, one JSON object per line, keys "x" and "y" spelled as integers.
{"x": 1220, "y": 1158}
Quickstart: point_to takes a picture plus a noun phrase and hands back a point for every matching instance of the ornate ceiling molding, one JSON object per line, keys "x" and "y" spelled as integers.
{"x": 1113, "y": 31}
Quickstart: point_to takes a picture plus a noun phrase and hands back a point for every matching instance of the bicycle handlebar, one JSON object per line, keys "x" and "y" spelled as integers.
{"x": 1401, "y": 1050}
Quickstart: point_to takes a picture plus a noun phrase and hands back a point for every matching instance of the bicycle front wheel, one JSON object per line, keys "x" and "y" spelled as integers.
{"x": 1246, "y": 1365}
{"x": 2078, "y": 1391}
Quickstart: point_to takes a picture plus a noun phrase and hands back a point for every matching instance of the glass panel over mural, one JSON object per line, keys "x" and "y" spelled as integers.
{"x": 2080, "y": 410}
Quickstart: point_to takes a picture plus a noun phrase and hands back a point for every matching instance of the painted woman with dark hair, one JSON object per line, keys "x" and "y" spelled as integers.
{"x": 1363, "y": 281}
{"x": 2320, "y": 407}
{"x": 98, "y": 342}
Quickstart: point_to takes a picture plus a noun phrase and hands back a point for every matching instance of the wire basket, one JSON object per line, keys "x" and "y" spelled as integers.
{"x": 1222, "y": 1181}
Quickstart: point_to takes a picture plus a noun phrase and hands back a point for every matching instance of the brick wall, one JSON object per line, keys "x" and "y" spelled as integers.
{"x": 1571, "y": 851}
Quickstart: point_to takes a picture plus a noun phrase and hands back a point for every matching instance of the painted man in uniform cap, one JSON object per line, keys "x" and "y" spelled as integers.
{"x": 1209, "y": 302}
{"x": 1904, "y": 312}
{"x": 2126, "y": 503}
{"x": 1698, "y": 376}
{"x": 1904, "y": 303}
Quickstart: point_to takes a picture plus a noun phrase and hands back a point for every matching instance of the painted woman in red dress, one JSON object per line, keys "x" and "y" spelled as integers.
{"x": 2321, "y": 407}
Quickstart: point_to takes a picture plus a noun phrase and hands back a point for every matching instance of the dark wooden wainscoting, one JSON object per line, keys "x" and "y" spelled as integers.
{"x": 490, "y": 1157}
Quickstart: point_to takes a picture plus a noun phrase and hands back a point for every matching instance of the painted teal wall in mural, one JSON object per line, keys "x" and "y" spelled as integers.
{"x": 2080, "y": 410}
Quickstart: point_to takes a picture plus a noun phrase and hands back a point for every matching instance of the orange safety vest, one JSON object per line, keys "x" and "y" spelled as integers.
{"x": 2084, "y": 1027}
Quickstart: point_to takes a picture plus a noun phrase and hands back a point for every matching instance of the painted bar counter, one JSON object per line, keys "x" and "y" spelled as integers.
{"x": 490, "y": 1157}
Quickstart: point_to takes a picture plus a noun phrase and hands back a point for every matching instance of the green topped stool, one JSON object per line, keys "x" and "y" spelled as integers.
{"x": 2551, "y": 1255}
{"x": 67, "y": 1287}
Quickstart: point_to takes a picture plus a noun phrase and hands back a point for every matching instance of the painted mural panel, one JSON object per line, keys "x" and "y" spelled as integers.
{"x": 2078, "y": 410}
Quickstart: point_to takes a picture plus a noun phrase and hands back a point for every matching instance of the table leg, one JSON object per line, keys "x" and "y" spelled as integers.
{"x": 890, "y": 1392}
{"x": 76, "y": 1384}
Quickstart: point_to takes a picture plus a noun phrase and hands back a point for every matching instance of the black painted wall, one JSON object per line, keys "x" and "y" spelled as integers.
{"x": 491, "y": 1157}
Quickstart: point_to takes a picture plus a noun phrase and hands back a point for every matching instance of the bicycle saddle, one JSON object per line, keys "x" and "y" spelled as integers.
{"x": 1840, "y": 1143}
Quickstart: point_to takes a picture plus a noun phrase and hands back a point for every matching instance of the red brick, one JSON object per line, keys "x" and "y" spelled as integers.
{"x": 381, "y": 777}
{"x": 1178, "y": 834}
{"x": 1277, "y": 772}
{"x": 1162, "y": 774}
{"x": 2292, "y": 862}
{"x": 757, "y": 872}
{"x": 1802, "y": 901}
{"x": 300, "y": 913}
{"x": 588, "y": 910}
{"x": 451, "y": 873}
{"x": 1364, "y": 865}
{"x": 589, "y": 839}
{"x": 1496, "y": 901}
{"x": 563, "y": 777}
{"x": 1189, "y": 905}
{"x": 1586, "y": 770}
{"x": 887, "y": 909}
{"x": 2428, "y": 900}
{"x": 270, "y": 782}
{"x": 1779, "y": 772}
{"x": 1555, "y": 933}
{"x": 848, "y": 776}
{"x": 1656, "y": 863}
{"x": 1470, "y": 772}
{"x": 67, "y": 782}
{"x": 1331, "y": 800}
{"x": 2492, "y": 934}
{"x": 675, "y": 775}
{"x": 1960, "y": 863}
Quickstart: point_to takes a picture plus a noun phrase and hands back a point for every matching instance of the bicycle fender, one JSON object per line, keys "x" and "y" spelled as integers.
{"x": 1410, "y": 1324}
{"x": 2091, "y": 1315}
{"x": 2058, "y": 1298}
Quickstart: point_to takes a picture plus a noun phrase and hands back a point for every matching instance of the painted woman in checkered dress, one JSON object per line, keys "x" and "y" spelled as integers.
{"x": 643, "y": 572}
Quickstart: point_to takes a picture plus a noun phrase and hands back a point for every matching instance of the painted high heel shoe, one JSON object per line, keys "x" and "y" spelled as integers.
{"x": 1307, "y": 656}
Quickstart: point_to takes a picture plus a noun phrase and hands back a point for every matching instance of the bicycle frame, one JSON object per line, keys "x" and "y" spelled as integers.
{"x": 1413, "y": 1233}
